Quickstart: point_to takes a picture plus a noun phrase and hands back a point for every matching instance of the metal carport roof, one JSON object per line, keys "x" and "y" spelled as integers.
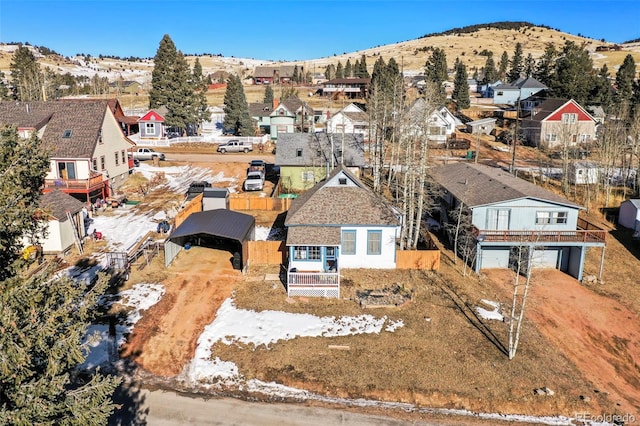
{"x": 220, "y": 222}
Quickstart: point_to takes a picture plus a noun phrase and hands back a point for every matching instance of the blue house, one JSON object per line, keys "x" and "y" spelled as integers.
{"x": 522, "y": 88}
{"x": 508, "y": 214}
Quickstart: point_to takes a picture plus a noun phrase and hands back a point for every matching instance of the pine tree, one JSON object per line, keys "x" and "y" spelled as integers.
{"x": 529, "y": 65}
{"x": 268, "y": 95}
{"x": 330, "y": 72}
{"x": 436, "y": 66}
{"x": 348, "y": 70}
{"x": 236, "y": 109}
{"x": 362, "y": 71}
{"x": 43, "y": 319}
{"x": 574, "y": 74}
{"x": 200, "y": 85}
{"x": 503, "y": 65}
{"x": 4, "y": 89}
{"x": 490, "y": 74}
{"x": 26, "y": 76}
{"x": 601, "y": 93}
{"x": 624, "y": 79}
{"x": 339, "y": 70}
{"x": 461, "y": 88}
{"x": 174, "y": 86}
{"x": 296, "y": 74}
{"x": 517, "y": 64}
{"x": 545, "y": 68}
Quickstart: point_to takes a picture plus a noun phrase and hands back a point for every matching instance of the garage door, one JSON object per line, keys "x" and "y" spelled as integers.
{"x": 547, "y": 258}
{"x": 495, "y": 258}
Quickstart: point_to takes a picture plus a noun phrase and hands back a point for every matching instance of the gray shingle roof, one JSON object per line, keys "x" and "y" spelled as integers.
{"x": 477, "y": 185}
{"x": 316, "y": 149}
{"x": 57, "y": 204}
{"x": 523, "y": 83}
{"x": 324, "y": 205}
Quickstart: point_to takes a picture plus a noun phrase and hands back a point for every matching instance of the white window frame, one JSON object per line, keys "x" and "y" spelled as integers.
{"x": 569, "y": 118}
{"x": 552, "y": 217}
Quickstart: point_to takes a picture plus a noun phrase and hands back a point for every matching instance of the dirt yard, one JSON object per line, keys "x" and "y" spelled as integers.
{"x": 197, "y": 283}
{"x": 599, "y": 335}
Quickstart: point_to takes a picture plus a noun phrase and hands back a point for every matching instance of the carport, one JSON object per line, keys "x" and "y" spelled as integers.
{"x": 218, "y": 229}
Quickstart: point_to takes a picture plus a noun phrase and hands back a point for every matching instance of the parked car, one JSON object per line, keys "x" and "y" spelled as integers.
{"x": 234, "y": 145}
{"x": 254, "y": 181}
{"x": 147, "y": 154}
{"x": 258, "y": 166}
{"x": 195, "y": 188}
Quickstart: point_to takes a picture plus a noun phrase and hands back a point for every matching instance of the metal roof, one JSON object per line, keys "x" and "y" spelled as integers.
{"x": 220, "y": 222}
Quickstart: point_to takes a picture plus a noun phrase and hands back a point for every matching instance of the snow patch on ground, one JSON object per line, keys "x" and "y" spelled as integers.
{"x": 493, "y": 314}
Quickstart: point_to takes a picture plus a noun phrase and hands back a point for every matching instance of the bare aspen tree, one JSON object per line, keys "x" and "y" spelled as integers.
{"x": 611, "y": 142}
{"x": 521, "y": 263}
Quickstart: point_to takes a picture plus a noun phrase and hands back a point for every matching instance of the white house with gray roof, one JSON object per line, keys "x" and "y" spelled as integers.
{"x": 522, "y": 88}
{"x": 507, "y": 213}
{"x": 339, "y": 223}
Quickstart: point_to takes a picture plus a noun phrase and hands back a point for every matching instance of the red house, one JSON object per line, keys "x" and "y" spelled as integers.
{"x": 557, "y": 122}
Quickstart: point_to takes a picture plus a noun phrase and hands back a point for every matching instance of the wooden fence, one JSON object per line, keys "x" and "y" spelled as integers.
{"x": 241, "y": 202}
{"x": 193, "y": 206}
{"x": 418, "y": 259}
{"x": 267, "y": 252}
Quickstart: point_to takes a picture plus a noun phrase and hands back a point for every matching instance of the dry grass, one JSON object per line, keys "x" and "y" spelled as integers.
{"x": 443, "y": 356}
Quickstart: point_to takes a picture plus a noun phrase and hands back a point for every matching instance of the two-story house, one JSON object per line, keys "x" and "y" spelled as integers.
{"x": 437, "y": 125}
{"x": 88, "y": 147}
{"x": 350, "y": 119}
{"x": 289, "y": 116}
{"x": 507, "y": 213}
{"x": 559, "y": 122}
{"x": 337, "y": 224}
{"x": 348, "y": 88}
{"x": 306, "y": 158}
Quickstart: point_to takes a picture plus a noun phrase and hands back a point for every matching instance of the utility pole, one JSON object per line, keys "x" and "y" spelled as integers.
{"x": 514, "y": 141}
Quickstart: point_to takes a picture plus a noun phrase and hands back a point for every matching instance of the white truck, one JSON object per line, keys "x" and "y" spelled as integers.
{"x": 147, "y": 154}
{"x": 254, "y": 181}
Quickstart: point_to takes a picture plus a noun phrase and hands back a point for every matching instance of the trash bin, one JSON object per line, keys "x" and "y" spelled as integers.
{"x": 471, "y": 155}
{"x": 237, "y": 261}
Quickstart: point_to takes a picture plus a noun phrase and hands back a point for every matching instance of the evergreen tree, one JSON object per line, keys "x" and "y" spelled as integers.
{"x": 339, "y": 70}
{"x": 268, "y": 95}
{"x": 362, "y": 68}
{"x": 236, "y": 109}
{"x": 490, "y": 74}
{"x": 517, "y": 64}
{"x": 26, "y": 76}
{"x": 348, "y": 70}
{"x": 43, "y": 319}
{"x": 624, "y": 79}
{"x": 174, "y": 86}
{"x": 545, "y": 68}
{"x": 529, "y": 65}
{"x": 4, "y": 89}
{"x": 295, "y": 77}
{"x": 356, "y": 68}
{"x": 200, "y": 86}
{"x": 503, "y": 65}
{"x": 574, "y": 74}
{"x": 461, "y": 88}
{"x": 436, "y": 66}
{"x": 330, "y": 72}
{"x": 601, "y": 93}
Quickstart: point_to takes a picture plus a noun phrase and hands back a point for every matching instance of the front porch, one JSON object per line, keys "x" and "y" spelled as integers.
{"x": 313, "y": 283}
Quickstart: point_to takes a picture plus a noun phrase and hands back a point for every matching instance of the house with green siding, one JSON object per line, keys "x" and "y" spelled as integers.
{"x": 307, "y": 158}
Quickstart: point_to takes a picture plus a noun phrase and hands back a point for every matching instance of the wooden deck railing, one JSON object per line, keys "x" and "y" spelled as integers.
{"x": 592, "y": 234}
{"x": 313, "y": 279}
{"x": 94, "y": 181}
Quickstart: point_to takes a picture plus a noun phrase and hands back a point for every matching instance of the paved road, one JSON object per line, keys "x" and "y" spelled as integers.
{"x": 164, "y": 408}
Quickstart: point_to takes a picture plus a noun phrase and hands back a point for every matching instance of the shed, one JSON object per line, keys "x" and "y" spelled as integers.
{"x": 217, "y": 229}
{"x": 629, "y": 215}
{"x": 215, "y": 198}
{"x": 481, "y": 127}
{"x": 584, "y": 173}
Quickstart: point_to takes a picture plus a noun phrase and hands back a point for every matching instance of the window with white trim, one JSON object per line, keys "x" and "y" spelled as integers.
{"x": 551, "y": 218}
{"x": 149, "y": 128}
{"x": 551, "y": 137}
{"x": 306, "y": 253}
{"x": 569, "y": 118}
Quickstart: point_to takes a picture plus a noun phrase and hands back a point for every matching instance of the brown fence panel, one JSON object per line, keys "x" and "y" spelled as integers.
{"x": 239, "y": 202}
{"x": 193, "y": 206}
{"x": 418, "y": 259}
{"x": 267, "y": 252}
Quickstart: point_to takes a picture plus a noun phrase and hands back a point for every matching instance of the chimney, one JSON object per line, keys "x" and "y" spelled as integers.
{"x": 275, "y": 103}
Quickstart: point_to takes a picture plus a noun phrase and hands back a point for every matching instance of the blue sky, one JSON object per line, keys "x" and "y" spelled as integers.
{"x": 287, "y": 29}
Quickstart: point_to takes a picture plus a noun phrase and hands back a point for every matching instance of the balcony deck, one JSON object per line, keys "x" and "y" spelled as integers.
{"x": 587, "y": 232}
{"x": 96, "y": 181}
